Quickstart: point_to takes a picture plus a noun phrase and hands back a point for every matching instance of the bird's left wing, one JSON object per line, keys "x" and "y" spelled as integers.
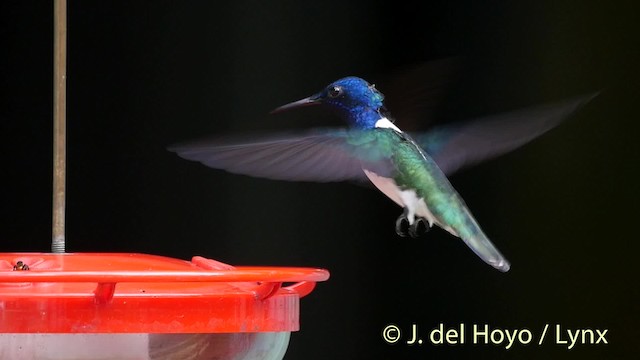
{"x": 320, "y": 155}
{"x": 458, "y": 146}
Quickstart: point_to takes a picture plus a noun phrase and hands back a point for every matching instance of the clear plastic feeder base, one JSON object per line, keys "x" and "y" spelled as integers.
{"x": 231, "y": 346}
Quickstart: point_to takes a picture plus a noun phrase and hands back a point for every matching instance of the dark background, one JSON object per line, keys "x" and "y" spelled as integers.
{"x": 142, "y": 76}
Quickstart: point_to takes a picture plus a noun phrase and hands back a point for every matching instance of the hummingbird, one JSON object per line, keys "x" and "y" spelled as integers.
{"x": 411, "y": 170}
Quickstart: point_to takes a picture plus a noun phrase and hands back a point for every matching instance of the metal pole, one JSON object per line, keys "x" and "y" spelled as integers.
{"x": 59, "y": 123}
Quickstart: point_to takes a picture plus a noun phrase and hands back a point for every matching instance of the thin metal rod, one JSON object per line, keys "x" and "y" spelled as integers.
{"x": 59, "y": 123}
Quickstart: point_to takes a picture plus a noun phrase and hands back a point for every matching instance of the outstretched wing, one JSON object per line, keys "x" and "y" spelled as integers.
{"x": 457, "y": 146}
{"x": 327, "y": 155}
{"x": 321, "y": 155}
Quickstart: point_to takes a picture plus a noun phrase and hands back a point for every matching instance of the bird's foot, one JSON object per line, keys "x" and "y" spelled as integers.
{"x": 419, "y": 227}
{"x": 402, "y": 225}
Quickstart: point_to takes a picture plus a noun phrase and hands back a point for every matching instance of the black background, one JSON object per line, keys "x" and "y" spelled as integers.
{"x": 142, "y": 76}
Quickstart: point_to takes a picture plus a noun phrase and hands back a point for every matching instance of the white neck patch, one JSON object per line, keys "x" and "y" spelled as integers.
{"x": 385, "y": 123}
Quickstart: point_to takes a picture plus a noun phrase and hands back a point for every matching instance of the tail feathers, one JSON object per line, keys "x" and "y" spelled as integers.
{"x": 485, "y": 249}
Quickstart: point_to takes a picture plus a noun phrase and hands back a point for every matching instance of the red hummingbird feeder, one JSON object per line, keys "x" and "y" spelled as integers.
{"x": 139, "y": 306}
{"x": 136, "y": 306}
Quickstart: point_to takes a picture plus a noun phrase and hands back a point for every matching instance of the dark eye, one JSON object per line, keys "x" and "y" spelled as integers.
{"x": 334, "y": 91}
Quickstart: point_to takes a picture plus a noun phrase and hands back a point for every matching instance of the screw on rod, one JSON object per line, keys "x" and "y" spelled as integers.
{"x": 59, "y": 123}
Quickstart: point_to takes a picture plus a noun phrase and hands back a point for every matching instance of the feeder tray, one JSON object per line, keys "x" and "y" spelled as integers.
{"x": 137, "y": 306}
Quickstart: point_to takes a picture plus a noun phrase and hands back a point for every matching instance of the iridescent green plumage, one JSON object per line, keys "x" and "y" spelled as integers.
{"x": 414, "y": 171}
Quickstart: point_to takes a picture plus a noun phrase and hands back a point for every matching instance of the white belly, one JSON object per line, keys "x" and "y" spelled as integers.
{"x": 406, "y": 198}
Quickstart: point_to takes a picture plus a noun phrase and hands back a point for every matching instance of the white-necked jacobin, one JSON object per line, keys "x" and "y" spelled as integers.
{"x": 410, "y": 170}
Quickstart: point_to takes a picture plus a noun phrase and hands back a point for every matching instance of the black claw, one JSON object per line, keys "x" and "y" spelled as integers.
{"x": 402, "y": 225}
{"x": 419, "y": 228}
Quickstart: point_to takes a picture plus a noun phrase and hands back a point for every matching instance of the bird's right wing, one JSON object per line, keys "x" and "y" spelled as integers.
{"x": 320, "y": 155}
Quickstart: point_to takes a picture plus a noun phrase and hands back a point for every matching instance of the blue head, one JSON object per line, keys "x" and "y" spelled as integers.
{"x": 355, "y": 100}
